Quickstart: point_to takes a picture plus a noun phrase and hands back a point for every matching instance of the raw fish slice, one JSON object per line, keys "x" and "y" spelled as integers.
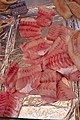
{"x": 10, "y": 77}
{"x": 50, "y": 76}
{"x": 28, "y": 83}
{"x": 37, "y": 37}
{"x": 46, "y": 12}
{"x": 48, "y": 99}
{"x": 29, "y": 22}
{"x": 56, "y": 63}
{"x": 43, "y": 21}
{"x": 39, "y": 44}
{"x": 10, "y": 86}
{"x": 53, "y": 32}
{"x": 29, "y": 28}
{"x": 75, "y": 76}
{"x": 45, "y": 89}
{"x": 45, "y": 15}
{"x": 36, "y": 49}
{"x": 30, "y": 62}
{"x": 9, "y": 105}
{"x": 57, "y": 57}
{"x": 64, "y": 91}
{"x": 61, "y": 31}
{"x": 29, "y": 34}
{"x": 29, "y": 70}
{"x": 28, "y": 78}
{"x": 65, "y": 33}
{"x": 11, "y": 71}
{"x": 21, "y": 83}
{"x": 19, "y": 94}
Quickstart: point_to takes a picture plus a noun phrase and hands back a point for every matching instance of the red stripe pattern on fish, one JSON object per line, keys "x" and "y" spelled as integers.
{"x": 9, "y": 105}
{"x": 52, "y": 88}
{"x": 10, "y": 76}
{"x": 44, "y": 17}
{"x": 28, "y": 28}
{"x": 35, "y": 48}
{"x": 57, "y": 56}
{"x": 46, "y": 57}
{"x": 47, "y": 85}
{"x": 64, "y": 92}
{"x": 28, "y": 78}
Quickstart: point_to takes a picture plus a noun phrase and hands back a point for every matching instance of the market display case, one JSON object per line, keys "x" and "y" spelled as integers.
{"x": 32, "y": 106}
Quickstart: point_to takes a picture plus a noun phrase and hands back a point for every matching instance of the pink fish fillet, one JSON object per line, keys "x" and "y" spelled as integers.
{"x": 9, "y": 105}
{"x": 61, "y": 31}
{"x": 48, "y": 12}
{"x": 32, "y": 62}
{"x": 29, "y": 28}
{"x": 50, "y": 76}
{"x": 57, "y": 56}
{"x": 48, "y": 99}
{"x": 36, "y": 44}
{"x": 53, "y": 32}
{"x": 11, "y": 71}
{"x": 64, "y": 92}
{"x": 28, "y": 78}
{"x": 43, "y": 21}
{"x": 36, "y": 48}
{"x": 75, "y": 76}
{"x": 44, "y": 17}
{"x": 47, "y": 88}
{"x": 20, "y": 94}
{"x": 10, "y": 86}
{"x": 10, "y": 76}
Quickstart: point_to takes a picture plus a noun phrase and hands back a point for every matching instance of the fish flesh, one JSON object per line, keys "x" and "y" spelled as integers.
{"x": 75, "y": 76}
{"x": 57, "y": 56}
{"x": 53, "y": 87}
{"x": 28, "y": 78}
{"x": 44, "y": 17}
{"x": 35, "y": 49}
{"x": 9, "y": 105}
{"x": 28, "y": 28}
{"x": 64, "y": 91}
{"x": 59, "y": 30}
{"x": 48, "y": 81}
{"x": 10, "y": 76}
